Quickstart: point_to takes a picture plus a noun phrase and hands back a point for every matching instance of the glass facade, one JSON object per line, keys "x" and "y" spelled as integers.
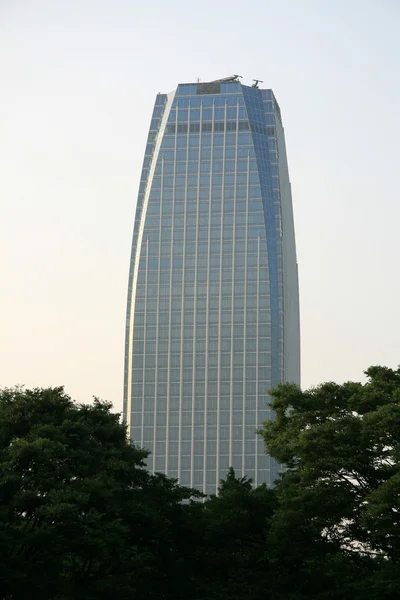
{"x": 212, "y": 315}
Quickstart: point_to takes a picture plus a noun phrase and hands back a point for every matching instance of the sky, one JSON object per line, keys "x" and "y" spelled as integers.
{"x": 78, "y": 84}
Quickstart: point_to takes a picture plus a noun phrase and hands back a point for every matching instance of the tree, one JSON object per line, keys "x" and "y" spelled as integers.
{"x": 340, "y": 494}
{"x": 231, "y": 550}
{"x": 80, "y": 517}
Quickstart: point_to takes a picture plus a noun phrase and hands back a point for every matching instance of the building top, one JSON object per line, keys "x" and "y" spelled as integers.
{"x": 226, "y": 85}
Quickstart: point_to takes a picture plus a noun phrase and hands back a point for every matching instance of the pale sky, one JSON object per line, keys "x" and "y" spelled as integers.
{"x": 78, "y": 84}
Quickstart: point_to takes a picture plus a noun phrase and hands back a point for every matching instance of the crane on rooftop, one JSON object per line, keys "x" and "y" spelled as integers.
{"x": 227, "y": 79}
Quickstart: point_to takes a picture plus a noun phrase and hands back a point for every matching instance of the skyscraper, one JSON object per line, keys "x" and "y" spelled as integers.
{"x": 213, "y": 308}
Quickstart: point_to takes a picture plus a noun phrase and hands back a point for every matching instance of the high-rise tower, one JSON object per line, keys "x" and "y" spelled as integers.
{"x": 213, "y": 303}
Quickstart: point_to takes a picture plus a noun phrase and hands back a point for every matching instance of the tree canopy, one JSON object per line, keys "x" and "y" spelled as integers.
{"x": 81, "y": 518}
{"x": 79, "y": 515}
{"x": 341, "y": 489}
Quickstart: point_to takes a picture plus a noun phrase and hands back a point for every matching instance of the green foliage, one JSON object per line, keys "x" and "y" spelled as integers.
{"x": 79, "y": 515}
{"x": 82, "y": 519}
{"x": 232, "y": 554}
{"x": 341, "y": 491}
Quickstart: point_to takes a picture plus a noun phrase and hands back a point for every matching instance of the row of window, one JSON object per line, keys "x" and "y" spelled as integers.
{"x": 253, "y": 329}
{"x": 215, "y": 303}
{"x": 235, "y": 266}
{"x": 206, "y": 181}
{"x": 206, "y": 159}
{"x": 193, "y": 435}
{"x": 179, "y": 421}
{"x": 217, "y": 220}
{"x": 197, "y": 445}
{"x": 224, "y": 434}
{"x": 226, "y": 94}
{"x": 241, "y": 374}
{"x": 194, "y": 374}
{"x": 151, "y": 289}
{"x": 201, "y": 289}
{"x": 215, "y": 205}
{"x": 214, "y": 358}
{"x": 239, "y": 145}
{"x": 227, "y": 197}
{"x": 230, "y": 239}
{"x": 215, "y": 387}
{"x": 252, "y": 273}
{"x": 217, "y": 348}
{"x": 209, "y": 134}
{"x": 244, "y": 415}
{"x": 198, "y": 462}
{"x": 183, "y": 450}
{"x": 210, "y": 153}
{"x": 227, "y": 276}
{"x": 191, "y": 400}
{"x": 242, "y": 142}
{"x": 223, "y": 337}
{"x": 221, "y": 96}
{"x": 205, "y": 127}
{"x": 197, "y": 402}
{"x": 205, "y": 168}
{"x": 207, "y": 254}
{"x": 210, "y": 433}
{"x": 200, "y": 336}
{"x": 196, "y": 431}
{"x": 230, "y": 113}
{"x": 229, "y": 244}
{"x": 185, "y": 320}
{"x": 241, "y": 234}
{"x": 213, "y": 478}
{"x": 224, "y": 359}
{"x": 216, "y": 212}
{"x": 198, "y": 360}
{"x": 189, "y": 293}
{"x": 240, "y": 265}
{"x": 174, "y": 329}
{"x": 223, "y": 385}
{"x": 241, "y": 216}
{"x": 152, "y": 247}
{"x": 205, "y": 153}
{"x": 239, "y": 364}
{"x": 210, "y": 461}
{"x": 175, "y": 317}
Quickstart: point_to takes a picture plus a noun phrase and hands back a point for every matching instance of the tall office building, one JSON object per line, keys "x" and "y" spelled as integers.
{"x": 213, "y": 308}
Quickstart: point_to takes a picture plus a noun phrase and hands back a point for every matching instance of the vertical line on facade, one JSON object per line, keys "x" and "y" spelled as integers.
{"x": 232, "y": 318}
{"x": 218, "y": 424}
{"x": 257, "y": 385}
{"x": 144, "y": 345}
{"x": 245, "y": 319}
{"x": 207, "y": 324}
{"x": 168, "y": 422}
{"x": 220, "y": 311}
{"x": 194, "y": 316}
{"x": 183, "y": 310}
{"x": 157, "y": 322}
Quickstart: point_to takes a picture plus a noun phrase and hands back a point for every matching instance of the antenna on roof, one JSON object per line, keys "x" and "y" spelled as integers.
{"x": 256, "y": 82}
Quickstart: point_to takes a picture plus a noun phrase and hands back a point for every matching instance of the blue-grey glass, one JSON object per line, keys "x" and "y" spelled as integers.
{"x": 212, "y": 316}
